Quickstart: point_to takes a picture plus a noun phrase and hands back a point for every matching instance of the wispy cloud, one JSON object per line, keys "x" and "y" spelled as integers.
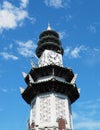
{"x": 56, "y": 3}
{"x": 9, "y": 47}
{"x": 74, "y": 52}
{"x": 92, "y": 28}
{"x": 68, "y": 17}
{"x": 12, "y": 16}
{"x": 89, "y": 119}
{"x": 91, "y": 55}
{"x": 24, "y": 3}
{"x": 7, "y": 56}
{"x": 62, "y": 34}
{"x": 26, "y": 48}
{"x": 5, "y": 90}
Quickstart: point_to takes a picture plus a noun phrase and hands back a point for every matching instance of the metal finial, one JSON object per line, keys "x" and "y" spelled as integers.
{"x": 49, "y": 27}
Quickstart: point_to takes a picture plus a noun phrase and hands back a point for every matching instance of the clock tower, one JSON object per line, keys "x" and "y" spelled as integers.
{"x": 51, "y": 87}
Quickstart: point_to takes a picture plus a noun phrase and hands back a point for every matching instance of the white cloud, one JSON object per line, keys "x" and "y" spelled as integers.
{"x": 9, "y": 47}
{"x": 26, "y": 48}
{"x": 32, "y": 19}
{"x": 75, "y": 52}
{"x": 7, "y": 56}
{"x": 62, "y": 34}
{"x": 12, "y": 16}
{"x": 92, "y": 28}
{"x": 56, "y": 3}
{"x": 91, "y": 55}
{"x": 24, "y": 3}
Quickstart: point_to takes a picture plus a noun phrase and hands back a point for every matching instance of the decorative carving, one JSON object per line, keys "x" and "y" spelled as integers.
{"x": 50, "y": 57}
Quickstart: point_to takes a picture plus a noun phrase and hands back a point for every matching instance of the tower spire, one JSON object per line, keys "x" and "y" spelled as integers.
{"x": 49, "y": 40}
{"x": 49, "y": 27}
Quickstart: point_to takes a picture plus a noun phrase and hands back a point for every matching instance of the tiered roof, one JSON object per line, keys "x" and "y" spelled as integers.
{"x": 50, "y": 78}
{"x": 49, "y": 40}
{"x": 52, "y": 84}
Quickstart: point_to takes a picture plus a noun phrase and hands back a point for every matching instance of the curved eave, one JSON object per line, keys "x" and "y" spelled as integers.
{"x": 50, "y": 46}
{"x": 59, "y": 71}
{"x": 49, "y": 38}
{"x": 49, "y": 32}
{"x": 50, "y": 86}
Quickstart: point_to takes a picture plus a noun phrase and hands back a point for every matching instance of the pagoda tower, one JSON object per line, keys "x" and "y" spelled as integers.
{"x": 51, "y": 87}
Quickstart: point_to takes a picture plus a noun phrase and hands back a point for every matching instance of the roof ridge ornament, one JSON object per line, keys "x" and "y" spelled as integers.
{"x": 49, "y": 27}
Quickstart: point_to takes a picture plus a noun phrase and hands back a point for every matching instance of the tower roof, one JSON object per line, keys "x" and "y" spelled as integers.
{"x": 36, "y": 73}
{"x": 49, "y": 39}
{"x": 52, "y": 85}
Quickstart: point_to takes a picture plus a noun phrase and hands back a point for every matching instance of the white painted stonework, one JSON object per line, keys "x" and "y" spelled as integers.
{"x": 50, "y": 57}
{"x": 47, "y": 108}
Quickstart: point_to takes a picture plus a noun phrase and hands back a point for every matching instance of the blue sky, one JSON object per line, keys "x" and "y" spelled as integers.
{"x": 78, "y": 24}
